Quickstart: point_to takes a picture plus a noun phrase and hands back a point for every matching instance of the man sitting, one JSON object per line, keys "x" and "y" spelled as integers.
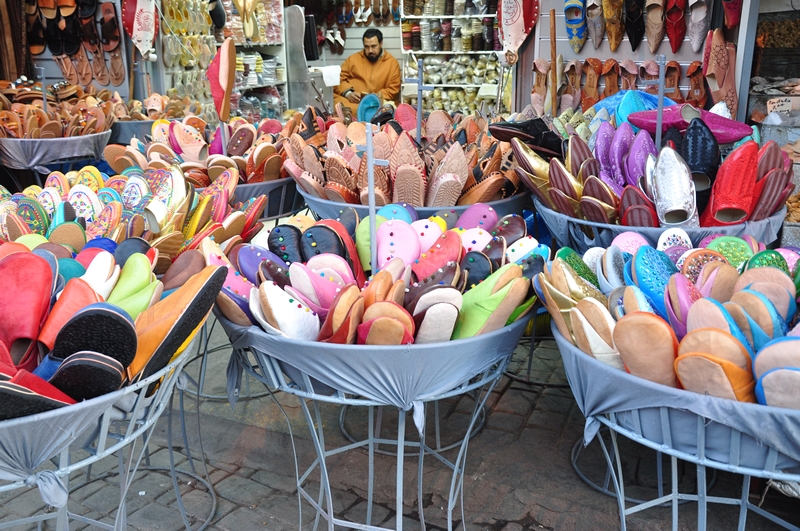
{"x": 370, "y": 71}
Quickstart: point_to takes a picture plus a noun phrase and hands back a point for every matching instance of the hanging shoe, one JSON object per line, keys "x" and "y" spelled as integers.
{"x": 595, "y": 22}
{"x": 697, "y": 94}
{"x": 672, "y": 79}
{"x": 628, "y": 72}
{"x": 575, "y": 21}
{"x": 733, "y": 12}
{"x": 611, "y": 77}
{"x": 676, "y": 23}
{"x": 615, "y": 25}
{"x": 634, "y": 22}
{"x": 699, "y": 23}
{"x": 648, "y": 71}
{"x": 541, "y": 69}
{"x": 591, "y": 89}
{"x": 221, "y": 75}
{"x": 654, "y": 26}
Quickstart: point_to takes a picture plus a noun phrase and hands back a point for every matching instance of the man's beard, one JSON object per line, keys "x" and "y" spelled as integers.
{"x": 373, "y": 59}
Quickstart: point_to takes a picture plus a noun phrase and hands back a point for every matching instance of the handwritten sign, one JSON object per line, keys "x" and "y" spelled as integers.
{"x": 783, "y": 105}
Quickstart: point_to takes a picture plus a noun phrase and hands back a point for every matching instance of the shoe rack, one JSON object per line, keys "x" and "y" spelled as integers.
{"x": 88, "y": 64}
{"x": 456, "y": 41}
{"x": 184, "y": 53}
{"x": 743, "y": 36}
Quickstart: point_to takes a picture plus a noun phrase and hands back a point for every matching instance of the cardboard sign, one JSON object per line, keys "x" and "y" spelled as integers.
{"x": 783, "y": 105}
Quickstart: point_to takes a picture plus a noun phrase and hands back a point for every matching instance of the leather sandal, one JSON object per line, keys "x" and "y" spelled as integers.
{"x": 110, "y": 39}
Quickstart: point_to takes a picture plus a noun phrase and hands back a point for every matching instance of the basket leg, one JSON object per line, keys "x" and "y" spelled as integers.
{"x": 674, "y": 468}
{"x": 317, "y": 436}
{"x": 743, "y": 503}
{"x": 617, "y": 479}
{"x": 702, "y": 503}
{"x": 371, "y": 450}
{"x": 420, "y": 467}
{"x": 401, "y": 443}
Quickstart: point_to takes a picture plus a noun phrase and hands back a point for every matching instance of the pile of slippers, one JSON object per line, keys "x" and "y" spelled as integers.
{"x": 72, "y": 329}
{"x": 719, "y": 319}
{"x": 626, "y": 179}
{"x": 442, "y": 278}
{"x": 458, "y": 162}
{"x": 256, "y": 151}
{"x": 153, "y": 211}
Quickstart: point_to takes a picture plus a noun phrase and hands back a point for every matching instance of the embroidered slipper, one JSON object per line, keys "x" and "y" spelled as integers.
{"x": 655, "y": 364}
{"x": 482, "y": 314}
{"x": 85, "y": 375}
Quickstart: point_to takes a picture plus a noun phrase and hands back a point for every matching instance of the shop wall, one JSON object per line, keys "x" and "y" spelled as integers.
{"x": 391, "y": 42}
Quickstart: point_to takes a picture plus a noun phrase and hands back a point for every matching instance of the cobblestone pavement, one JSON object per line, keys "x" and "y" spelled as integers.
{"x": 519, "y": 475}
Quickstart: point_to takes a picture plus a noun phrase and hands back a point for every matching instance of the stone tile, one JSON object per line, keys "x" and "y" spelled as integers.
{"x": 244, "y": 518}
{"x": 227, "y": 467}
{"x": 409, "y": 524}
{"x": 555, "y": 404}
{"x": 515, "y": 403}
{"x": 155, "y": 517}
{"x": 242, "y": 491}
{"x": 341, "y": 499}
{"x": 505, "y": 422}
{"x": 80, "y": 494}
{"x": 547, "y": 420}
{"x": 217, "y": 475}
{"x": 358, "y": 513}
{"x": 106, "y": 500}
{"x": 512, "y": 526}
{"x": 159, "y": 457}
{"x": 539, "y": 438}
{"x": 196, "y": 503}
{"x": 276, "y": 481}
{"x": 12, "y": 517}
{"x": 246, "y": 472}
{"x": 26, "y": 504}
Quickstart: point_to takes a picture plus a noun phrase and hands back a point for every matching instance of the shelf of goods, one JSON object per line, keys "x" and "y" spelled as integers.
{"x": 457, "y": 42}
{"x": 186, "y": 52}
{"x": 739, "y": 38}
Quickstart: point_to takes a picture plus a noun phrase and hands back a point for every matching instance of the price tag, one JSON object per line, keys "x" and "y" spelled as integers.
{"x": 783, "y": 105}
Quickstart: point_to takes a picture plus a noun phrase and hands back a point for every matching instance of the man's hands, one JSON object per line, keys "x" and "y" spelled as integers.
{"x": 353, "y": 97}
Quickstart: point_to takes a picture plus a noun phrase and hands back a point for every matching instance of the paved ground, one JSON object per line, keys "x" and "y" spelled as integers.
{"x": 518, "y": 476}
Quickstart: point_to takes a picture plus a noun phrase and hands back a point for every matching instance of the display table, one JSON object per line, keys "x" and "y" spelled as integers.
{"x": 748, "y": 439}
{"x": 96, "y": 428}
{"x": 406, "y": 377}
{"x": 571, "y": 232}
{"x": 123, "y": 132}
{"x": 35, "y": 154}
{"x": 330, "y": 209}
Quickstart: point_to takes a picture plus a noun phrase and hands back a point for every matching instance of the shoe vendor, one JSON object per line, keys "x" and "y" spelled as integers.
{"x": 370, "y": 71}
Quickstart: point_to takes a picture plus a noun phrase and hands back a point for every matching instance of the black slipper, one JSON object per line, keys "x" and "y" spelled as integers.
{"x": 128, "y": 247}
{"x": 102, "y": 328}
{"x": 349, "y": 218}
{"x": 512, "y": 227}
{"x": 284, "y": 240}
{"x": 87, "y": 8}
{"x": 70, "y": 30}
{"x": 86, "y": 375}
{"x": 321, "y": 239}
{"x": 17, "y": 401}
{"x": 52, "y": 36}
{"x": 475, "y": 268}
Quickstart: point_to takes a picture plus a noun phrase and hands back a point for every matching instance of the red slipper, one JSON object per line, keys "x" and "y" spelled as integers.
{"x": 24, "y": 305}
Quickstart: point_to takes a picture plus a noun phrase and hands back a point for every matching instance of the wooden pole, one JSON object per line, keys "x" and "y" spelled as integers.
{"x": 553, "y": 81}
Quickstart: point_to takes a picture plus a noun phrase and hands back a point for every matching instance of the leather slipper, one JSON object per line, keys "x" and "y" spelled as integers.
{"x": 435, "y": 323}
{"x": 711, "y": 375}
{"x": 781, "y": 352}
{"x": 346, "y": 313}
{"x": 99, "y": 327}
{"x": 85, "y": 375}
{"x": 165, "y": 328}
{"x": 656, "y": 363}
{"x": 593, "y": 328}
